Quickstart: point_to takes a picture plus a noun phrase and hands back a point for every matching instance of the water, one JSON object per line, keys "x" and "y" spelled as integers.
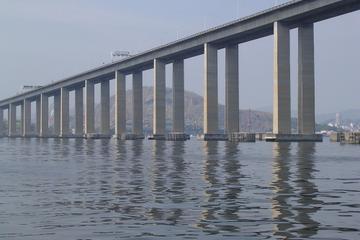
{"x": 105, "y": 189}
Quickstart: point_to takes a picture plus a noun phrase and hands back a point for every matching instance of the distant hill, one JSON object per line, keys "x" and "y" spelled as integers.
{"x": 260, "y": 121}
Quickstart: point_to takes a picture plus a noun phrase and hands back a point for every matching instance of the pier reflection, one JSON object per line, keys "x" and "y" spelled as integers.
{"x": 282, "y": 211}
{"x": 210, "y": 207}
{"x": 294, "y": 193}
{"x": 120, "y": 168}
{"x": 232, "y": 187}
{"x": 308, "y": 190}
{"x": 177, "y": 182}
{"x": 158, "y": 173}
{"x": 135, "y": 188}
{"x": 232, "y": 181}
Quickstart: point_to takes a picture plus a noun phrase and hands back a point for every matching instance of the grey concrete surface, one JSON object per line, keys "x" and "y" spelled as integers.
{"x": 2, "y": 125}
{"x": 105, "y": 107}
{"x": 120, "y": 104}
{"x": 79, "y": 111}
{"x": 211, "y": 118}
{"x": 137, "y": 118}
{"x": 232, "y": 89}
{"x": 27, "y": 118}
{"x": 38, "y": 115}
{"x": 178, "y": 96}
{"x": 64, "y": 113}
{"x": 159, "y": 98}
{"x": 89, "y": 107}
{"x": 57, "y": 113}
{"x": 282, "y": 106}
{"x": 306, "y": 80}
{"x": 44, "y": 115}
{"x": 12, "y": 120}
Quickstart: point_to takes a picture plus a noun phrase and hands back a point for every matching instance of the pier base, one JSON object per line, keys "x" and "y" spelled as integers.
{"x": 214, "y": 137}
{"x": 72, "y": 136}
{"x": 260, "y": 136}
{"x": 31, "y": 135}
{"x": 129, "y": 136}
{"x": 15, "y": 136}
{"x": 242, "y": 137}
{"x": 177, "y": 136}
{"x": 271, "y": 137}
{"x": 97, "y": 136}
{"x": 157, "y": 137}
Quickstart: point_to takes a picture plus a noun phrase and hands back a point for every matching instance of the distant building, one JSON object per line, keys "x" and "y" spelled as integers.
{"x": 338, "y": 120}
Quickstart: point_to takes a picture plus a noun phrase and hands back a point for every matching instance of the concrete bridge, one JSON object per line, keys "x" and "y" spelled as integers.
{"x": 301, "y": 14}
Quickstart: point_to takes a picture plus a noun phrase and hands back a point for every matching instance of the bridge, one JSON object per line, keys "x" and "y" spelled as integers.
{"x": 277, "y": 21}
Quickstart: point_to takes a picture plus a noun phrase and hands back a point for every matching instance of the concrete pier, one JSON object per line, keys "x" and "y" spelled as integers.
{"x": 44, "y": 115}
{"x": 178, "y": 96}
{"x": 232, "y": 89}
{"x": 1, "y": 122}
{"x": 120, "y": 105}
{"x": 12, "y": 120}
{"x": 57, "y": 114}
{"x": 211, "y": 114}
{"x": 137, "y": 99}
{"x": 89, "y": 108}
{"x": 211, "y": 90}
{"x": 159, "y": 100}
{"x": 22, "y": 119}
{"x": 38, "y": 116}
{"x": 178, "y": 111}
{"x": 27, "y": 118}
{"x": 281, "y": 111}
{"x": 105, "y": 108}
{"x": 306, "y": 80}
{"x": 64, "y": 116}
{"x": 270, "y": 137}
{"x": 79, "y": 112}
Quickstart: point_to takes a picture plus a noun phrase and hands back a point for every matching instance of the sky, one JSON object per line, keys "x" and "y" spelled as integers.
{"x": 43, "y": 41}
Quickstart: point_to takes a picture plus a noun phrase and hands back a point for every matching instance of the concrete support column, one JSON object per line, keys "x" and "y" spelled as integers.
{"x": 44, "y": 115}
{"x": 57, "y": 114}
{"x": 282, "y": 111}
{"x": 12, "y": 120}
{"x": 306, "y": 78}
{"x": 105, "y": 107}
{"x": 137, "y": 104}
{"x": 22, "y": 118}
{"x": 178, "y": 96}
{"x": 232, "y": 89}
{"x": 90, "y": 109}
{"x": 38, "y": 115}
{"x": 120, "y": 104}
{"x": 27, "y": 118}
{"x": 159, "y": 117}
{"x": 211, "y": 120}
{"x": 79, "y": 111}
{"x": 1, "y": 121}
{"x": 64, "y": 118}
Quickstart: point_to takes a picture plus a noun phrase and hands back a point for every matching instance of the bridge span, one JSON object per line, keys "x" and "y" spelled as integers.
{"x": 277, "y": 21}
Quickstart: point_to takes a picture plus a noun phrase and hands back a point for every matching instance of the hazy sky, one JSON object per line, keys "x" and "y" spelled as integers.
{"x": 43, "y": 41}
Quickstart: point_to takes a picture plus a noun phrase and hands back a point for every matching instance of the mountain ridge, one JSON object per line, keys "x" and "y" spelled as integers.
{"x": 259, "y": 121}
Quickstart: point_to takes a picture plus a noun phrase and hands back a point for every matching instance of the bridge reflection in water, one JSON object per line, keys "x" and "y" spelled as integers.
{"x": 175, "y": 190}
{"x": 294, "y": 192}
